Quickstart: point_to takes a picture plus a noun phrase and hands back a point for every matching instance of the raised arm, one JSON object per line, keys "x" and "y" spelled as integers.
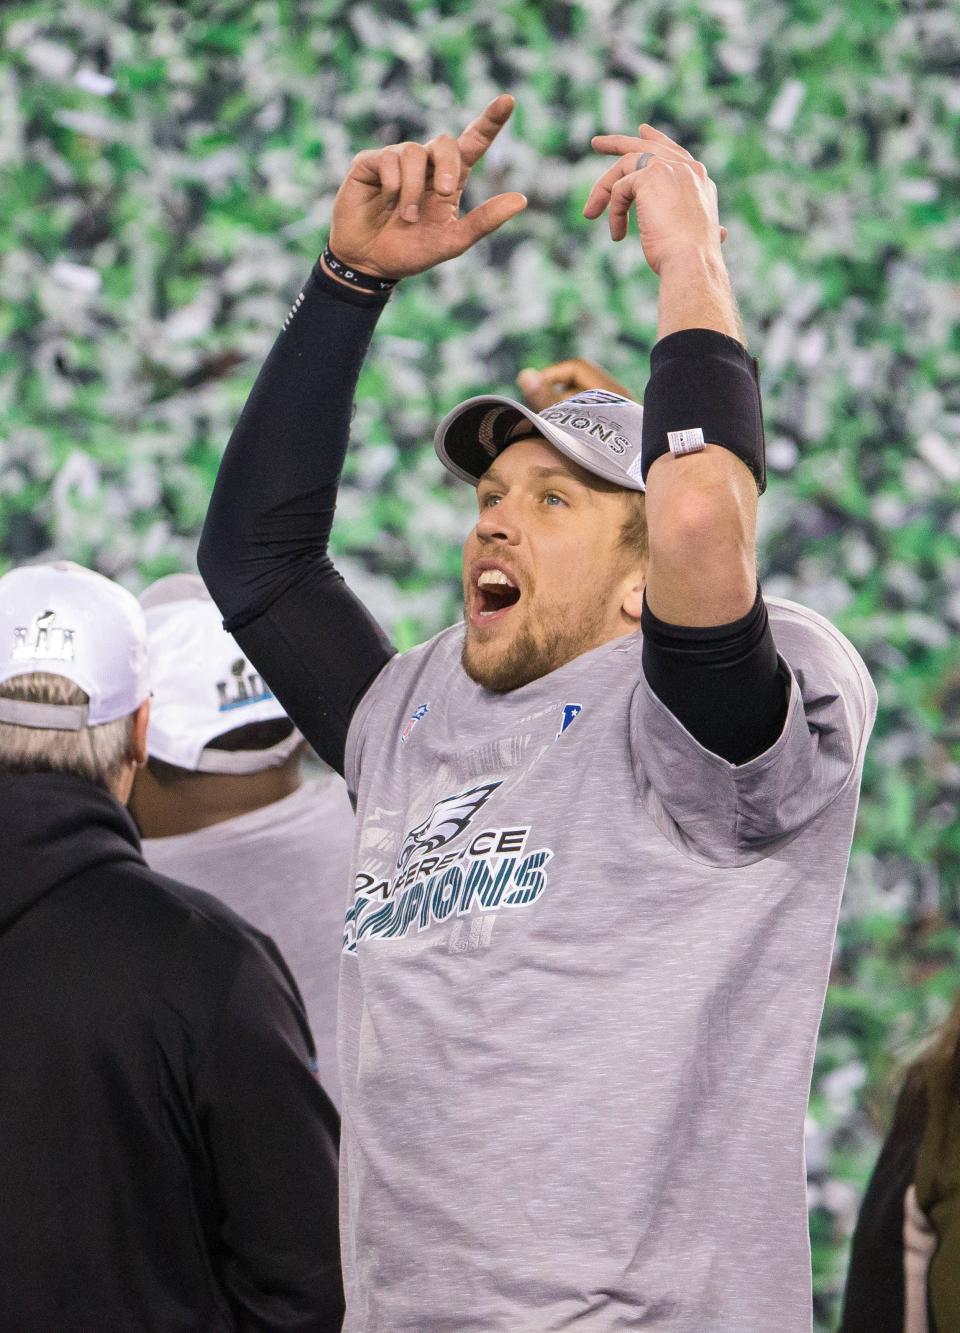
{"x": 702, "y": 506}
{"x": 708, "y": 651}
{"x": 263, "y": 552}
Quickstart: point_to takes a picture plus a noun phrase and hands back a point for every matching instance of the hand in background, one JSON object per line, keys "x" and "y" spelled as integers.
{"x": 676, "y": 201}
{"x": 542, "y": 388}
{"x": 398, "y": 211}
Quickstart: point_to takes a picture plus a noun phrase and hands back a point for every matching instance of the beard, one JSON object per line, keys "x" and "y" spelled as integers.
{"x": 529, "y": 656}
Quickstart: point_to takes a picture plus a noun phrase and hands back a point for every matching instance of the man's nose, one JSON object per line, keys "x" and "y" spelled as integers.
{"x": 499, "y": 523}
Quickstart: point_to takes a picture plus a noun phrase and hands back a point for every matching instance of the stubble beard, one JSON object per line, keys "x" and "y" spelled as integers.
{"x": 529, "y": 656}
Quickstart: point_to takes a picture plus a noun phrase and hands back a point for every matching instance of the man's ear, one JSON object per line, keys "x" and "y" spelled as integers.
{"x": 138, "y": 740}
{"x": 632, "y": 603}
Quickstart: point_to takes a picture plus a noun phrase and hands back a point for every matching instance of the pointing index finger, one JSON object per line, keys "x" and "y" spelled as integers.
{"x": 481, "y": 132}
{"x": 617, "y": 143}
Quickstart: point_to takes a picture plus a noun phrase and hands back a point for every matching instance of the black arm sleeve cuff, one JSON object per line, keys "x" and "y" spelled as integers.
{"x": 701, "y": 378}
{"x": 723, "y": 683}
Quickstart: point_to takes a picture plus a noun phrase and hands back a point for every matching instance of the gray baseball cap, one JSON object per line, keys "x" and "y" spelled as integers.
{"x": 599, "y": 430}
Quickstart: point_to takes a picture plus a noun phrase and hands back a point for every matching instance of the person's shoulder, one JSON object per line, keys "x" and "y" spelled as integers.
{"x": 211, "y": 916}
{"x": 407, "y": 683}
{"x": 210, "y": 952}
{"x": 437, "y": 659}
{"x": 803, "y": 621}
{"x": 439, "y": 650}
{"x": 184, "y": 928}
{"x": 807, "y": 640}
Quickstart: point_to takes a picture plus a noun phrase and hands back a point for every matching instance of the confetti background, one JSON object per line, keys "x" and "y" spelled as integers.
{"x": 168, "y": 173}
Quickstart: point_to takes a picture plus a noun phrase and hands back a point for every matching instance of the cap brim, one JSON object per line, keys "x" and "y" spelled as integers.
{"x": 472, "y": 434}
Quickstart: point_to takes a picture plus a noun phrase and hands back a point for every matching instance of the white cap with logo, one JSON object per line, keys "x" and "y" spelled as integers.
{"x": 203, "y": 686}
{"x": 69, "y": 621}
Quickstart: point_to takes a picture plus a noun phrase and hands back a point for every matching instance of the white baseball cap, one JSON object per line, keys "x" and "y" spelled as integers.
{"x": 69, "y": 621}
{"x": 203, "y": 685}
{"x": 600, "y": 430}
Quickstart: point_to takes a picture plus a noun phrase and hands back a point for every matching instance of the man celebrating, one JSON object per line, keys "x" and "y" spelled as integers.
{"x": 603, "y": 823}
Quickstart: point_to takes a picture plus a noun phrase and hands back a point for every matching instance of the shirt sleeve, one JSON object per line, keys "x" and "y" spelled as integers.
{"x": 271, "y": 1133}
{"x": 728, "y": 814}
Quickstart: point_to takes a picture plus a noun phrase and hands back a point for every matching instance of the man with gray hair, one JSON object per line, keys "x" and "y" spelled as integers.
{"x": 169, "y": 1159}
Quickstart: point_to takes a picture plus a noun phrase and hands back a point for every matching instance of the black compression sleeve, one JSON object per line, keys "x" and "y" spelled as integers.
{"x": 724, "y": 683}
{"x": 263, "y": 552}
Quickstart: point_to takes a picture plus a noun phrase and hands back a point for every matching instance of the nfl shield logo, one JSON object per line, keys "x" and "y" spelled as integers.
{"x": 412, "y": 721}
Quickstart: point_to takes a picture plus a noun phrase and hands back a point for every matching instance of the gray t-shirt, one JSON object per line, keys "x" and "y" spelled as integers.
{"x": 583, "y": 974}
{"x": 285, "y": 868}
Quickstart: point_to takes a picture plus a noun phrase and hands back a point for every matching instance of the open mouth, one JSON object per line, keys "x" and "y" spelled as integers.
{"x": 495, "y": 593}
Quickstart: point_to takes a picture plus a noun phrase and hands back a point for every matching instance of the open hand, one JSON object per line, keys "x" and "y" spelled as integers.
{"x": 676, "y": 201}
{"x": 398, "y": 211}
{"x": 542, "y": 388}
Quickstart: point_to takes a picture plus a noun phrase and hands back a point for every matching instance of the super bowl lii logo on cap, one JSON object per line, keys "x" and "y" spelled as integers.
{"x": 44, "y": 640}
{"x": 246, "y": 687}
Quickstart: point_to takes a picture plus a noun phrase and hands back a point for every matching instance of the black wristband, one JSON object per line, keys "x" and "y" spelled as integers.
{"x": 340, "y": 291}
{"x": 367, "y": 282}
{"x": 704, "y": 388}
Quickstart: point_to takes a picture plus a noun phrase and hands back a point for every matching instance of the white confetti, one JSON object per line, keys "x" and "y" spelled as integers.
{"x": 93, "y": 82}
{"x": 942, "y": 455}
{"x": 76, "y": 277}
{"x": 916, "y": 190}
{"x": 49, "y": 58}
{"x": 93, "y": 125}
{"x": 786, "y": 104}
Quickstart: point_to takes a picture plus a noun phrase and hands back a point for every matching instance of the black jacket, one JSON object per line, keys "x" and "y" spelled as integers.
{"x": 167, "y": 1159}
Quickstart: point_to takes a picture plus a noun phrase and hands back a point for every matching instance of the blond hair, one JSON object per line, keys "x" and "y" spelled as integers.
{"x": 633, "y": 535}
{"x": 95, "y": 753}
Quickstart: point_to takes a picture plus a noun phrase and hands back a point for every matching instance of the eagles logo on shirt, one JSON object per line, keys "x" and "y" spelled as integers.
{"x": 492, "y": 869}
{"x": 448, "y": 817}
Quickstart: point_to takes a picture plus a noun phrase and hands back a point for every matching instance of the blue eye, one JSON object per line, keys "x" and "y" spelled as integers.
{"x": 488, "y": 500}
{"x": 553, "y": 500}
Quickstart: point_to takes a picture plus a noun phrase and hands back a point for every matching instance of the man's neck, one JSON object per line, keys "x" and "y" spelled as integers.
{"x": 204, "y": 799}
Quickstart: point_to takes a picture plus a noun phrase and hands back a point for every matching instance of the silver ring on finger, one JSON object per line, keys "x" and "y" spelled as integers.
{"x": 642, "y": 161}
